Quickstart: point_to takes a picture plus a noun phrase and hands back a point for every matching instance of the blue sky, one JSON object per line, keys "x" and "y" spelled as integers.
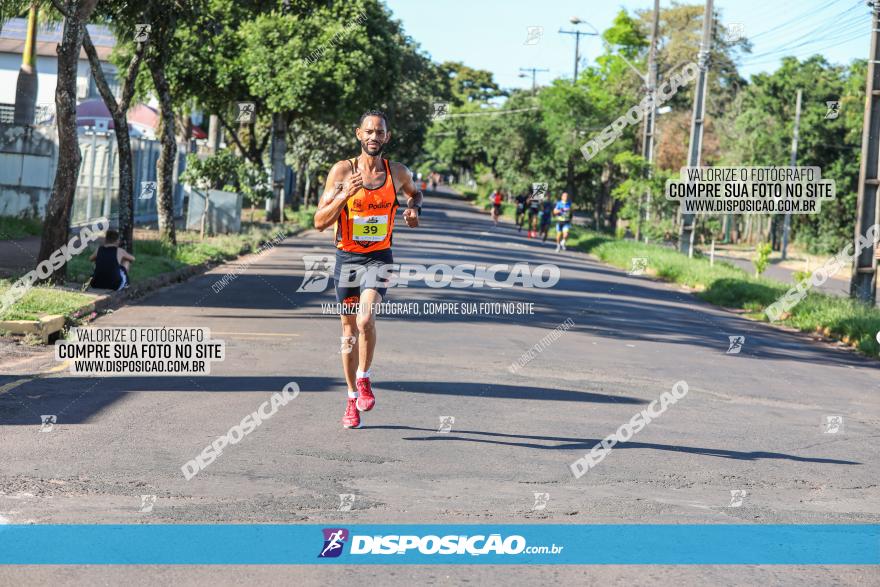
{"x": 491, "y": 34}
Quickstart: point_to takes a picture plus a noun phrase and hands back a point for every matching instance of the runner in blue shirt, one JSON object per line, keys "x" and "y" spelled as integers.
{"x": 562, "y": 212}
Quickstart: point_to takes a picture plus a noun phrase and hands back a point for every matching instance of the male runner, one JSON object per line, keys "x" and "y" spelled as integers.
{"x": 562, "y": 212}
{"x": 360, "y": 199}
{"x": 534, "y": 204}
{"x": 520, "y": 211}
{"x": 545, "y": 215}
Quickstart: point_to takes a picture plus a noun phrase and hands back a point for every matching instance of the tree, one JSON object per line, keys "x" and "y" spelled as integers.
{"x": 323, "y": 66}
{"x": 761, "y": 124}
{"x": 122, "y": 18}
{"x": 159, "y": 53}
{"x": 76, "y": 14}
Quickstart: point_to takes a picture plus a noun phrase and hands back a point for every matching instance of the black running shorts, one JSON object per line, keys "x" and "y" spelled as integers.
{"x": 355, "y": 272}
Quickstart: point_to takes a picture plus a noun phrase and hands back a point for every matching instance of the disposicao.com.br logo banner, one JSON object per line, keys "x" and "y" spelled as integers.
{"x": 517, "y": 544}
{"x": 429, "y": 543}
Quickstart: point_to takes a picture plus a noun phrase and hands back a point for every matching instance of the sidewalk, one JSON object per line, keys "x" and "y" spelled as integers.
{"x": 18, "y": 256}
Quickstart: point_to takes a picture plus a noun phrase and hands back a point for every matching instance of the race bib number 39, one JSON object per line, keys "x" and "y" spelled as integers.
{"x": 370, "y": 228}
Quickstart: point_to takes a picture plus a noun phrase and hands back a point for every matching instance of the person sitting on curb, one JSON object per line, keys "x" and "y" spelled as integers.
{"x": 112, "y": 264}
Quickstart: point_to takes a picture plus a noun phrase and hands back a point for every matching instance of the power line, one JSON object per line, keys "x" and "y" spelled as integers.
{"x": 492, "y": 112}
{"x": 841, "y": 28}
{"x": 807, "y": 53}
{"x": 793, "y": 20}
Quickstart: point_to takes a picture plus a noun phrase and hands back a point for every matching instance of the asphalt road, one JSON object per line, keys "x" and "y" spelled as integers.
{"x": 751, "y": 421}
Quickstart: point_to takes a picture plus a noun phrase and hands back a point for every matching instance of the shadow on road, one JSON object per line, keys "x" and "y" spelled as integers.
{"x": 516, "y": 392}
{"x": 76, "y": 399}
{"x": 588, "y": 443}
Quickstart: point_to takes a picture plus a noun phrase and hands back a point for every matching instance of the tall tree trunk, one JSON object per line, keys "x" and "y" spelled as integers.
{"x": 214, "y": 133}
{"x": 314, "y": 189}
{"x": 167, "y": 153}
{"x": 26, "y": 87}
{"x": 279, "y": 169}
{"x": 57, "y": 220}
{"x": 602, "y": 196}
{"x": 308, "y": 187}
{"x": 616, "y": 205}
{"x": 301, "y": 183}
{"x": 119, "y": 112}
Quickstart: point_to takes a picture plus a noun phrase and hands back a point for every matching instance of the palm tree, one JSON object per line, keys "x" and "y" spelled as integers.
{"x": 26, "y": 89}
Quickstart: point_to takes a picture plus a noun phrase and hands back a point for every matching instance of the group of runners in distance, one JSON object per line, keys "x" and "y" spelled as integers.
{"x": 538, "y": 211}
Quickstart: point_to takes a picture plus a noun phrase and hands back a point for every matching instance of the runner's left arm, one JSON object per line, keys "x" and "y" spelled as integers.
{"x": 413, "y": 196}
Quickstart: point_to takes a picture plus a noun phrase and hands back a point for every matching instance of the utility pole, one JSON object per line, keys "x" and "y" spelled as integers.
{"x": 534, "y": 70}
{"x": 685, "y": 235}
{"x": 577, "y": 41}
{"x": 786, "y": 227}
{"x": 648, "y": 129}
{"x": 864, "y": 274}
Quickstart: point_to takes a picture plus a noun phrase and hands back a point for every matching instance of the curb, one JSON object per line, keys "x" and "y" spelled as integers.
{"x": 43, "y": 328}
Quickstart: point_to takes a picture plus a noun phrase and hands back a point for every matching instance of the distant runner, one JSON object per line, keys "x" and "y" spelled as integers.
{"x": 562, "y": 212}
{"x": 520, "y": 211}
{"x": 534, "y": 205}
{"x": 496, "y": 198}
{"x": 545, "y": 216}
{"x": 364, "y": 222}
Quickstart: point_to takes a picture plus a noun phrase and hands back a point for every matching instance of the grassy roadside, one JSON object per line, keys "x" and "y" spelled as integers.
{"x": 154, "y": 258}
{"x": 12, "y": 227}
{"x": 725, "y": 285}
{"x": 43, "y": 301}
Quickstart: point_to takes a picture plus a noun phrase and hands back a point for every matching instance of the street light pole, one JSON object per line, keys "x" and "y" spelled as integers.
{"x": 863, "y": 284}
{"x": 577, "y": 41}
{"x": 648, "y": 134}
{"x": 786, "y": 227}
{"x": 686, "y": 230}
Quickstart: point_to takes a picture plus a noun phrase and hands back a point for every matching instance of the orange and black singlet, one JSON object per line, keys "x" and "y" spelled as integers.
{"x": 366, "y": 223}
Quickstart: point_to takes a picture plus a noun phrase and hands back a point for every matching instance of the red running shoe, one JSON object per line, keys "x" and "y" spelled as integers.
{"x": 366, "y": 400}
{"x": 352, "y": 418}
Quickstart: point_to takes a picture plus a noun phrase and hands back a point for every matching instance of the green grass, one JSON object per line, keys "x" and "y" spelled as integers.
{"x": 731, "y": 287}
{"x": 155, "y": 257}
{"x": 12, "y": 227}
{"x": 290, "y": 215}
{"x": 303, "y": 217}
{"x": 725, "y": 285}
{"x": 42, "y": 301}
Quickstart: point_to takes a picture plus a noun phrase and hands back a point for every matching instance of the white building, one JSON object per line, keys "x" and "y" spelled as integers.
{"x": 12, "y": 39}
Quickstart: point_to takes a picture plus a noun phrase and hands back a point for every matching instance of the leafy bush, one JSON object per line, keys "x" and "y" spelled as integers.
{"x": 762, "y": 258}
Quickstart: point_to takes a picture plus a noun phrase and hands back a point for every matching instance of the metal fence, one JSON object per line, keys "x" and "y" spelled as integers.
{"x": 97, "y": 191}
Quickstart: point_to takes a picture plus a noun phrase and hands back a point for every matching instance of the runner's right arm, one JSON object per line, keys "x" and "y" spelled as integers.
{"x": 334, "y": 200}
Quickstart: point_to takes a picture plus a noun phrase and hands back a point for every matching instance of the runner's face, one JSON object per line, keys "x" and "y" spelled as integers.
{"x": 373, "y": 135}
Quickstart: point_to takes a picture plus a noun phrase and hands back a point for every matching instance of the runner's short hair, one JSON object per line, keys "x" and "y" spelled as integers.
{"x": 111, "y": 236}
{"x": 378, "y": 113}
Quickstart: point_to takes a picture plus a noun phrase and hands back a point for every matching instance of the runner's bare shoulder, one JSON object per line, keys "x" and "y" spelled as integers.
{"x": 399, "y": 172}
{"x": 340, "y": 170}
